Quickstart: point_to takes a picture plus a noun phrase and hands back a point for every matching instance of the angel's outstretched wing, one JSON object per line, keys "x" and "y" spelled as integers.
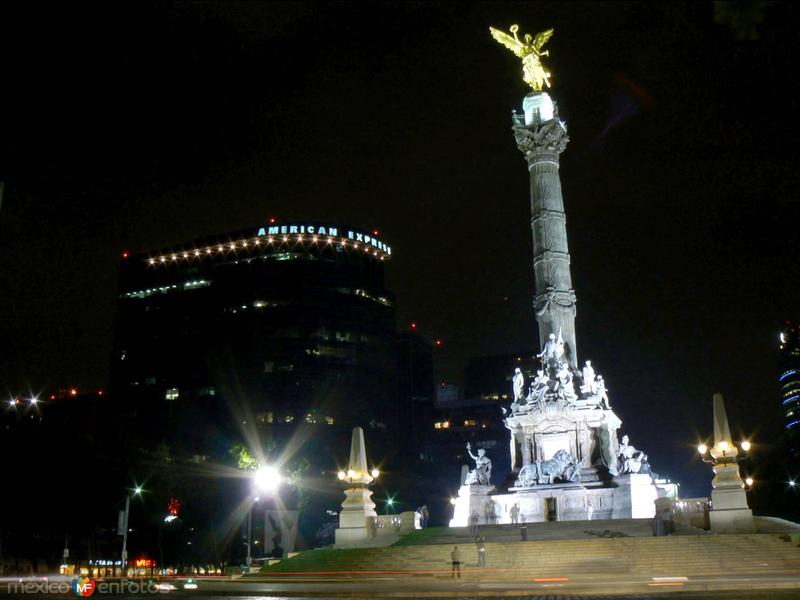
{"x": 509, "y": 42}
{"x": 541, "y": 39}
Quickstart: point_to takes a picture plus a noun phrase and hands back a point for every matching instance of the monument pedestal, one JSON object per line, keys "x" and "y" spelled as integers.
{"x": 634, "y": 497}
{"x": 729, "y": 511}
{"x": 471, "y": 498}
{"x": 356, "y": 508}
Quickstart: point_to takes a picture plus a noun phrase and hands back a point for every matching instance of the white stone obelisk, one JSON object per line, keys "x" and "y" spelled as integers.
{"x": 358, "y": 505}
{"x": 729, "y": 510}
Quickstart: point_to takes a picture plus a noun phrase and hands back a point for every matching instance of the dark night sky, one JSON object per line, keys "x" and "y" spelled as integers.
{"x": 136, "y": 126}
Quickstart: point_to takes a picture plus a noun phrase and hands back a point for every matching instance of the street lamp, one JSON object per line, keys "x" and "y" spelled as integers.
{"x": 723, "y": 453}
{"x": 137, "y": 491}
{"x": 266, "y": 480}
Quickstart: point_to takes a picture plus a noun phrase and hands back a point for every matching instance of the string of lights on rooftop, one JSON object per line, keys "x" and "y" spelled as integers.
{"x": 251, "y": 243}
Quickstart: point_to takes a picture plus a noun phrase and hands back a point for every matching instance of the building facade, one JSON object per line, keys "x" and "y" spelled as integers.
{"x": 789, "y": 381}
{"x": 286, "y": 330}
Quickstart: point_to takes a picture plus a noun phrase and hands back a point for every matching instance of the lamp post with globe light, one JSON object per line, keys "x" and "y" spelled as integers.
{"x": 137, "y": 491}
{"x": 266, "y": 480}
{"x": 729, "y": 512}
{"x": 358, "y": 507}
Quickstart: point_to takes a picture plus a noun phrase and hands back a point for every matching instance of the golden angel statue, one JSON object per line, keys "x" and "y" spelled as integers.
{"x": 530, "y": 51}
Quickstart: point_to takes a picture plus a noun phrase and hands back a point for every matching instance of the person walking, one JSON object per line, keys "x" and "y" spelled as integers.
{"x": 455, "y": 557}
{"x": 482, "y": 552}
{"x": 514, "y": 514}
{"x": 424, "y": 516}
{"x": 474, "y": 519}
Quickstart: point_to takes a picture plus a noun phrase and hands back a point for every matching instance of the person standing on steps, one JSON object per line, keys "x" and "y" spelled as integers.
{"x": 523, "y": 532}
{"x": 482, "y": 552}
{"x": 474, "y": 519}
{"x": 455, "y": 557}
{"x": 514, "y": 512}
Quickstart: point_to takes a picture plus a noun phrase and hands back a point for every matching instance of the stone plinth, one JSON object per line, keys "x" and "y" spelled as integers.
{"x": 729, "y": 510}
{"x": 471, "y": 498}
{"x": 356, "y": 509}
{"x": 634, "y": 497}
{"x": 538, "y": 108}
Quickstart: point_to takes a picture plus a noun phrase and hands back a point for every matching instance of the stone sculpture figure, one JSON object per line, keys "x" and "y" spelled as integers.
{"x": 482, "y": 473}
{"x": 602, "y": 392}
{"x": 519, "y": 385}
{"x": 559, "y": 350}
{"x": 630, "y": 460}
{"x": 562, "y": 466}
{"x": 538, "y": 390}
{"x": 589, "y": 382}
{"x": 529, "y": 49}
{"x": 566, "y": 386}
{"x": 548, "y": 351}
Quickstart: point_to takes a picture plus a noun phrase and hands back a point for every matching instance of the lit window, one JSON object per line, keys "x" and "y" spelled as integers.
{"x": 311, "y": 418}
{"x": 470, "y": 423}
{"x": 288, "y": 419}
{"x": 172, "y": 394}
{"x": 329, "y": 420}
{"x": 265, "y": 417}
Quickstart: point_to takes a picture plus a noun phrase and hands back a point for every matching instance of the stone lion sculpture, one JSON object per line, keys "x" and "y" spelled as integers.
{"x": 562, "y": 466}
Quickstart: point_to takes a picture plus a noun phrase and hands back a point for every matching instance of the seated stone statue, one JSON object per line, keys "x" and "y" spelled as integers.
{"x": 630, "y": 460}
{"x": 539, "y": 386}
{"x": 482, "y": 473}
{"x": 566, "y": 386}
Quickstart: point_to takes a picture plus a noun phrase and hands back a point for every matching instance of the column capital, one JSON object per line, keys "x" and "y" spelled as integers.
{"x": 541, "y": 142}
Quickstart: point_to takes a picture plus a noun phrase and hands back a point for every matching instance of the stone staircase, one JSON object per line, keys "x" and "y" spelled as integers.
{"x": 562, "y": 530}
{"x": 673, "y": 556}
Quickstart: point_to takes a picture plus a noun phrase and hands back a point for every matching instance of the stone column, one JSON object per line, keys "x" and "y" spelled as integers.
{"x": 542, "y": 137}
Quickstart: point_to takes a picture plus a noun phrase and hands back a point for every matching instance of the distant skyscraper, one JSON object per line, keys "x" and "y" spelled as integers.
{"x": 278, "y": 328}
{"x": 790, "y": 383}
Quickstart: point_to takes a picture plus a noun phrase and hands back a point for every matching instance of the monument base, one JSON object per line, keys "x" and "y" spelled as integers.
{"x": 634, "y": 497}
{"x": 729, "y": 511}
{"x": 738, "y": 520}
{"x": 629, "y": 497}
{"x": 471, "y": 499}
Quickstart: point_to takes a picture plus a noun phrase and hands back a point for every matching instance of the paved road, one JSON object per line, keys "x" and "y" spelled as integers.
{"x": 717, "y": 587}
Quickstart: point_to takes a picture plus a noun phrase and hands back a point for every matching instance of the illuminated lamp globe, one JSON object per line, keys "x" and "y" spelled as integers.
{"x": 375, "y": 473}
{"x": 267, "y": 479}
{"x": 702, "y": 448}
{"x": 453, "y": 501}
{"x": 137, "y": 490}
{"x": 723, "y": 445}
{"x": 745, "y": 445}
{"x": 351, "y": 473}
{"x": 340, "y": 475}
{"x": 749, "y": 481}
